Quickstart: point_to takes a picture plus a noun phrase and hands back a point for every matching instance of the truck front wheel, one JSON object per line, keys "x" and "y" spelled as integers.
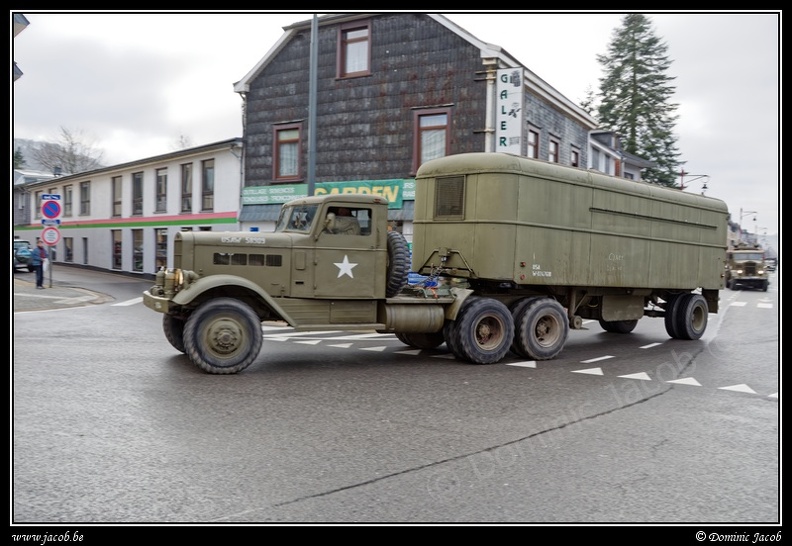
{"x": 223, "y": 336}
{"x": 483, "y": 331}
{"x": 541, "y": 329}
{"x": 174, "y": 331}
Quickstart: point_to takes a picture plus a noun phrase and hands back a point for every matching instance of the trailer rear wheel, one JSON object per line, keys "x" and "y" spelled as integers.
{"x": 428, "y": 340}
{"x": 541, "y": 329}
{"x": 691, "y": 314}
{"x": 223, "y": 336}
{"x": 398, "y": 264}
{"x": 483, "y": 331}
{"x": 618, "y": 326}
{"x": 671, "y": 305}
{"x": 174, "y": 330}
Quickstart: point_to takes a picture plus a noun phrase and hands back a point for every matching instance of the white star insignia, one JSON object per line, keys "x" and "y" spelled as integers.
{"x": 345, "y": 268}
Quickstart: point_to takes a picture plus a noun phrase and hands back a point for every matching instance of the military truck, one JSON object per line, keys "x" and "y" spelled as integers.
{"x": 746, "y": 268}
{"x": 512, "y": 252}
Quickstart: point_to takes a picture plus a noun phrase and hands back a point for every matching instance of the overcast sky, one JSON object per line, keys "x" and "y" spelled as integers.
{"x": 133, "y": 83}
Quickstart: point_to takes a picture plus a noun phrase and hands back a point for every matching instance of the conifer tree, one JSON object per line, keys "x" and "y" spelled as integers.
{"x": 634, "y": 96}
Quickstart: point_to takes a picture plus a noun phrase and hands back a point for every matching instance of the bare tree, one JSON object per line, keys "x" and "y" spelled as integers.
{"x": 182, "y": 143}
{"x": 71, "y": 154}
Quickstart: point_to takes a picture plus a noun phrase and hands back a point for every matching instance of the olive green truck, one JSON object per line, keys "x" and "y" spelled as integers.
{"x": 512, "y": 252}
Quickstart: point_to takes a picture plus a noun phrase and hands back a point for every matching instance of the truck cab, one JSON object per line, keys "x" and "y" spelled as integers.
{"x": 746, "y": 268}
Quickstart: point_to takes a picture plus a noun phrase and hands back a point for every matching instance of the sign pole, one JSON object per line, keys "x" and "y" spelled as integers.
{"x": 50, "y": 218}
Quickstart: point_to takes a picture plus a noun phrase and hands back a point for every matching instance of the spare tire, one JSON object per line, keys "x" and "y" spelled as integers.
{"x": 398, "y": 264}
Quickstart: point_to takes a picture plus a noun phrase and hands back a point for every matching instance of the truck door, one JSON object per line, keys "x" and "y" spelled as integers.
{"x": 346, "y": 255}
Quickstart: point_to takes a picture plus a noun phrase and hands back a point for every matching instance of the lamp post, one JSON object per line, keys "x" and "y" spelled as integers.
{"x": 694, "y": 177}
{"x": 743, "y": 214}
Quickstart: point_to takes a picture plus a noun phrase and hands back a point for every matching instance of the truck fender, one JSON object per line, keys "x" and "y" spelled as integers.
{"x": 460, "y": 295}
{"x": 205, "y": 284}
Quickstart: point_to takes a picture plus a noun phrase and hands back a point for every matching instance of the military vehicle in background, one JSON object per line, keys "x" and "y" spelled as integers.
{"x": 746, "y": 268}
{"x": 515, "y": 252}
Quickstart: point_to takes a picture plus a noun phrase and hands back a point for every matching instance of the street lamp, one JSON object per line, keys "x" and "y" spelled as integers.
{"x": 683, "y": 174}
{"x": 742, "y": 215}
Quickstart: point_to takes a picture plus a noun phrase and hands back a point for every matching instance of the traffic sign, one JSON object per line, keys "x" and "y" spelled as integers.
{"x": 47, "y": 222}
{"x": 50, "y": 209}
{"x": 50, "y": 235}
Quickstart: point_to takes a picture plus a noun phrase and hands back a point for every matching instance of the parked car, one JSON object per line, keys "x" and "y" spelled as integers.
{"x": 20, "y": 258}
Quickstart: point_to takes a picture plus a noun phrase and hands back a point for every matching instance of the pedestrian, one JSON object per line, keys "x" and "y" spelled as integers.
{"x": 37, "y": 258}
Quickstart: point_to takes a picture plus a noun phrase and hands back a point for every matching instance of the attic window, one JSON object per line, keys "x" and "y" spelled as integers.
{"x": 354, "y": 49}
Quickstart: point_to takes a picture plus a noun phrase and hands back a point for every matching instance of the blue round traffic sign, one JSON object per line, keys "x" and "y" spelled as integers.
{"x": 51, "y": 209}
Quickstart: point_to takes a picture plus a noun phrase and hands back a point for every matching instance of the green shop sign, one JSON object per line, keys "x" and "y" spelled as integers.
{"x": 395, "y": 191}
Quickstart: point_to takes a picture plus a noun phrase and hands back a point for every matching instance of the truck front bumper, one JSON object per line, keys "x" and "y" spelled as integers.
{"x": 159, "y": 304}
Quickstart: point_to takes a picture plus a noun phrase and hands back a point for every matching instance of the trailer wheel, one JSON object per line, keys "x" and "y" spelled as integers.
{"x": 398, "y": 264}
{"x": 541, "y": 329}
{"x": 671, "y": 305}
{"x": 691, "y": 314}
{"x": 174, "y": 330}
{"x": 428, "y": 340}
{"x": 223, "y": 336}
{"x": 516, "y": 309}
{"x": 618, "y": 326}
{"x": 483, "y": 331}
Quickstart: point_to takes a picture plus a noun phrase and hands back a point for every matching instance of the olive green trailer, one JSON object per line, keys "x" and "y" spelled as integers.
{"x": 507, "y": 218}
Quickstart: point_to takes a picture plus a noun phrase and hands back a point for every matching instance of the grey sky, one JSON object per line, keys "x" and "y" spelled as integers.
{"x": 133, "y": 83}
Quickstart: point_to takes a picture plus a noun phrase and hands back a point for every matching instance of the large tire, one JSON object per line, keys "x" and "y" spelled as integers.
{"x": 448, "y": 334}
{"x": 223, "y": 336}
{"x": 516, "y": 309}
{"x": 174, "y": 331}
{"x": 690, "y": 316}
{"x": 483, "y": 331}
{"x": 429, "y": 340}
{"x": 618, "y": 326}
{"x": 398, "y": 264}
{"x": 669, "y": 317}
{"x": 541, "y": 329}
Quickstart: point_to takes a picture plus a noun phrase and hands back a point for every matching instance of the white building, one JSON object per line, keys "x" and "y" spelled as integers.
{"x": 123, "y": 218}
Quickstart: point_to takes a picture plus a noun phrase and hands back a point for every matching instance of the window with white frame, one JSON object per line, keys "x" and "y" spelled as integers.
{"x": 207, "y": 184}
{"x": 85, "y": 198}
{"x": 162, "y": 191}
{"x": 116, "y": 185}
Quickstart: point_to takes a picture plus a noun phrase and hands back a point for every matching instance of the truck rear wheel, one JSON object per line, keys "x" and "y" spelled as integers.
{"x": 223, "y": 336}
{"x": 516, "y": 309}
{"x": 483, "y": 331}
{"x": 174, "y": 330}
{"x": 398, "y": 264}
{"x": 690, "y": 316}
{"x": 618, "y": 326}
{"x": 541, "y": 329}
{"x": 428, "y": 340}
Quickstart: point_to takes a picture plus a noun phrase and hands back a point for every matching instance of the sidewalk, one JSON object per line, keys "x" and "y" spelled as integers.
{"x": 60, "y": 295}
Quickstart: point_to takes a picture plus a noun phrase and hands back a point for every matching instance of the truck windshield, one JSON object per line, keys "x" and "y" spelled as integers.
{"x": 296, "y": 218}
{"x": 755, "y": 256}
